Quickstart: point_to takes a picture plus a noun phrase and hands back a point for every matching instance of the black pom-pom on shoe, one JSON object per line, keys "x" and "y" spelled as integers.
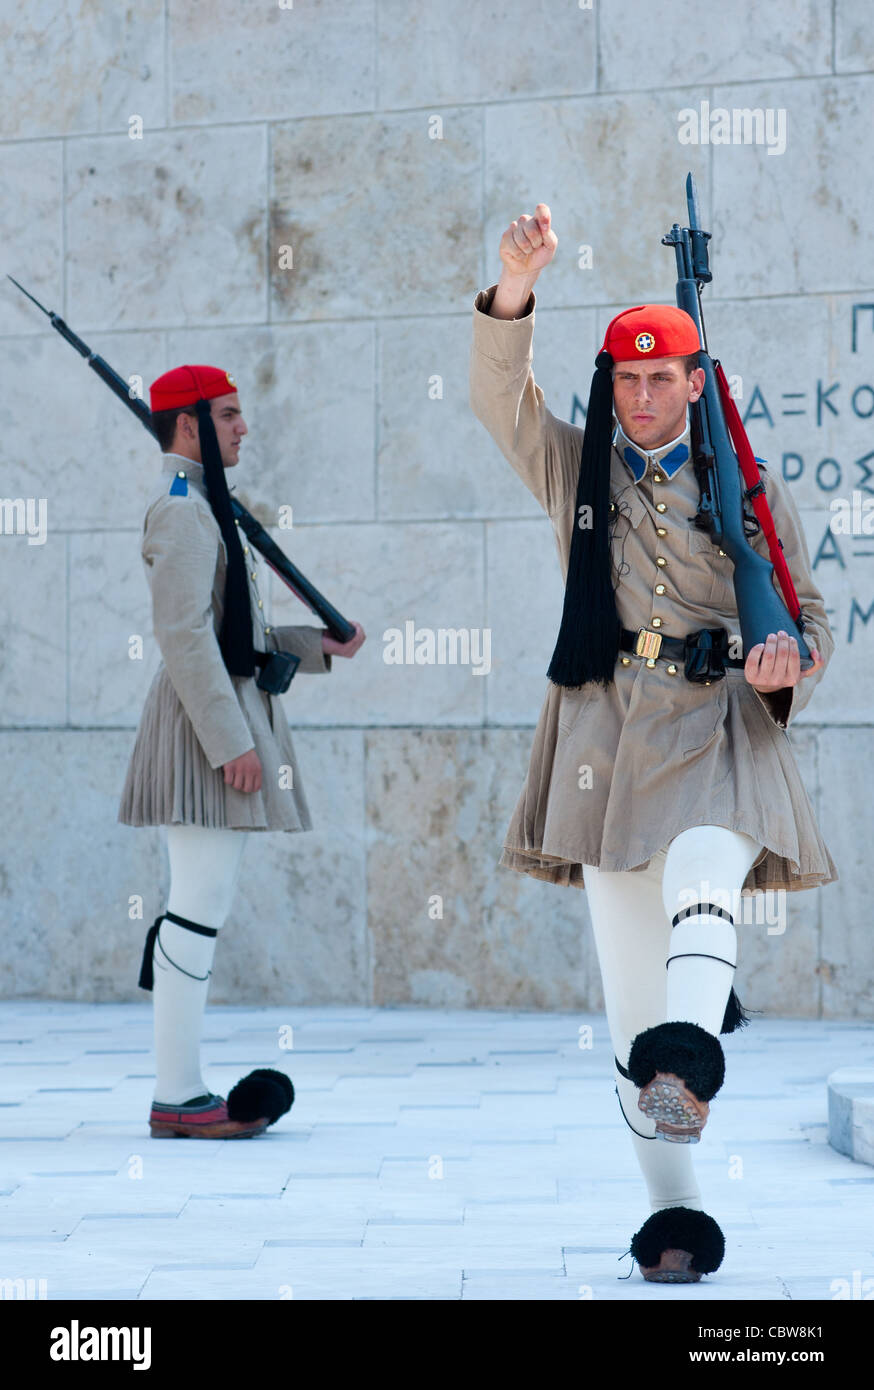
{"x": 263, "y": 1093}
{"x": 681, "y": 1049}
{"x": 677, "y": 1245}
{"x": 281, "y": 1080}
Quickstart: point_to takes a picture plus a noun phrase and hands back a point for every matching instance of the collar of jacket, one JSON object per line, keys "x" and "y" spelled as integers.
{"x": 178, "y": 463}
{"x": 670, "y": 457}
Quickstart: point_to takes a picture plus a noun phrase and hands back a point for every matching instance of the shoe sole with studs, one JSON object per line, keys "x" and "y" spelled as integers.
{"x": 678, "y": 1114}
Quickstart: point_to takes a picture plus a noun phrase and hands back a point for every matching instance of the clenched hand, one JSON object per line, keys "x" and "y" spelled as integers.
{"x": 774, "y": 664}
{"x": 529, "y": 243}
{"x": 244, "y": 773}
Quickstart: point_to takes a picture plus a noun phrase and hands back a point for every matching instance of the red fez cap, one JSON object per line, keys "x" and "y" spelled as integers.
{"x": 651, "y": 330}
{"x": 185, "y": 385}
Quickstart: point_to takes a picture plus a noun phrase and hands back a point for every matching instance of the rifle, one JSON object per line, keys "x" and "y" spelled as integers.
{"x": 337, "y": 625}
{"x": 720, "y": 449}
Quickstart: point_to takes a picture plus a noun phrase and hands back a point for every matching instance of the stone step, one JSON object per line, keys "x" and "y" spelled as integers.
{"x": 851, "y": 1112}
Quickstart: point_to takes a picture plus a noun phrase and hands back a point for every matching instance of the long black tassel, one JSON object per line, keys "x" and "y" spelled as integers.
{"x": 235, "y": 638}
{"x": 588, "y": 640}
{"x": 736, "y": 1016}
{"x": 147, "y": 979}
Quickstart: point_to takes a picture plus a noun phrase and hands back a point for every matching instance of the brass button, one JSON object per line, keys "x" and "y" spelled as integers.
{"x": 626, "y": 661}
{"x": 650, "y": 661}
{"x": 260, "y": 604}
{"x": 660, "y": 588}
{"x": 672, "y": 670}
{"x": 661, "y": 506}
{"x": 268, "y": 629}
{"x": 612, "y": 506}
{"x": 660, "y": 531}
{"x": 660, "y": 560}
{"x": 254, "y": 574}
{"x": 245, "y": 550}
{"x": 236, "y": 522}
{"x": 657, "y": 478}
{"x": 180, "y": 474}
{"x": 656, "y": 622}
{"x": 722, "y": 552}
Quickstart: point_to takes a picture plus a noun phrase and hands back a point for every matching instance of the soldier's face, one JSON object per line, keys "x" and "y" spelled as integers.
{"x": 227, "y": 417}
{"x": 650, "y": 399}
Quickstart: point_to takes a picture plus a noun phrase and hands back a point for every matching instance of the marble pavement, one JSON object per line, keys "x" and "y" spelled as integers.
{"x": 157, "y": 166}
{"x": 429, "y": 1154}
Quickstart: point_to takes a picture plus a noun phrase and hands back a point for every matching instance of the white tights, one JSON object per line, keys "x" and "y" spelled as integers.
{"x": 204, "y": 867}
{"x": 631, "y": 920}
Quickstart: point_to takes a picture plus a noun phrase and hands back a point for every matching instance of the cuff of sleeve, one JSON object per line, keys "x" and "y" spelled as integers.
{"x": 502, "y": 339}
{"x": 778, "y": 703}
{"x": 305, "y": 642}
{"x": 217, "y": 759}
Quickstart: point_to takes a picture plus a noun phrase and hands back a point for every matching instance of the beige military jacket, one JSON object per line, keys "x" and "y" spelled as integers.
{"x": 197, "y": 716}
{"x": 615, "y": 774}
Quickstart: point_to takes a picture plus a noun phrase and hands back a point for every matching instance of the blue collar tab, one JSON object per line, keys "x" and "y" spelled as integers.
{"x": 670, "y": 458}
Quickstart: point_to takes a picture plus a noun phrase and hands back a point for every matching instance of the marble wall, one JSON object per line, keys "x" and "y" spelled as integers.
{"x": 311, "y": 195}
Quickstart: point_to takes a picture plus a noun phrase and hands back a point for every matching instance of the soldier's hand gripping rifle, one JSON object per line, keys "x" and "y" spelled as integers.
{"x": 337, "y": 625}
{"x": 721, "y": 451}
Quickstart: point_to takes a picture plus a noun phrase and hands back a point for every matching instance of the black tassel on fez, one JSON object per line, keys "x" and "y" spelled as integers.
{"x": 588, "y": 640}
{"x": 235, "y": 639}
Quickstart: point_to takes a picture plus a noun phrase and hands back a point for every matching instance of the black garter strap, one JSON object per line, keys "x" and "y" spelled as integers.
{"x": 146, "y": 980}
{"x": 628, "y": 1077}
{"x": 703, "y": 955}
{"x": 626, "y": 1119}
{"x": 699, "y": 909}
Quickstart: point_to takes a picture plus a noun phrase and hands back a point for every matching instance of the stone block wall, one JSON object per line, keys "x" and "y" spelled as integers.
{"x": 311, "y": 195}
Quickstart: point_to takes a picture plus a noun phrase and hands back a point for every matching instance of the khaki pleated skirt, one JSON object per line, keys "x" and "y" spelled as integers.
{"x": 614, "y": 775}
{"x": 170, "y": 782}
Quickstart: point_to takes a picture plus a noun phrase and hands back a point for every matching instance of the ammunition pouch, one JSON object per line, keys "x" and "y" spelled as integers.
{"x": 705, "y": 654}
{"x": 277, "y": 669}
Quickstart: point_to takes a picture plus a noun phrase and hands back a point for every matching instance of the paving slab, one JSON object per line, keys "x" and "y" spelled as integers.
{"x": 429, "y": 1154}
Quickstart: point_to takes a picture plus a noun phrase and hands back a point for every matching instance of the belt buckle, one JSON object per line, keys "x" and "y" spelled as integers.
{"x": 647, "y": 644}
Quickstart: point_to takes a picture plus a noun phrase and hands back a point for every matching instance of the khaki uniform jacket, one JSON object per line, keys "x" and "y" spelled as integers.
{"x": 615, "y": 774}
{"x": 197, "y": 716}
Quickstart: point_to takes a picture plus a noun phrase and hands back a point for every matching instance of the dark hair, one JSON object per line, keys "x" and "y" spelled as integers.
{"x": 164, "y": 424}
{"x": 692, "y": 361}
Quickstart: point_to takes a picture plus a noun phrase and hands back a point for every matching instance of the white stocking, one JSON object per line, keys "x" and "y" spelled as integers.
{"x": 706, "y": 864}
{"x": 634, "y": 938}
{"x": 204, "y": 867}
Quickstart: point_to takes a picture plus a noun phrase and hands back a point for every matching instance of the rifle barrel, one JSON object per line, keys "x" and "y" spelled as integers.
{"x": 338, "y": 626}
{"x": 760, "y": 608}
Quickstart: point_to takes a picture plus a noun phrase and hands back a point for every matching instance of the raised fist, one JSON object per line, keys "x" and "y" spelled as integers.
{"x": 529, "y": 243}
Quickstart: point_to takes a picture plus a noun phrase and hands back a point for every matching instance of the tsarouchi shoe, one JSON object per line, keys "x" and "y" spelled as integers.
{"x": 677, "y": 1245}
{"x": 252, "y": 1104}
{"x": 679, "y": 1067}
{"x": 205, "y": 1117}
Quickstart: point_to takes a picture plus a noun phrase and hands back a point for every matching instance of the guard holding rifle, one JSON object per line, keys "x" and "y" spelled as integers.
{"x": 213, "y": 756}
{"x": 660, "y": 778}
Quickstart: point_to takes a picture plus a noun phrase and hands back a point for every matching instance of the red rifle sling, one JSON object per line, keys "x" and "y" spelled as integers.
{"x": 751, "y": 475}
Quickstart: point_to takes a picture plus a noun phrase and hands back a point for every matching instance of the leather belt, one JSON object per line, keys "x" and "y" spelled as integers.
{"x": 653, "y": 645}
